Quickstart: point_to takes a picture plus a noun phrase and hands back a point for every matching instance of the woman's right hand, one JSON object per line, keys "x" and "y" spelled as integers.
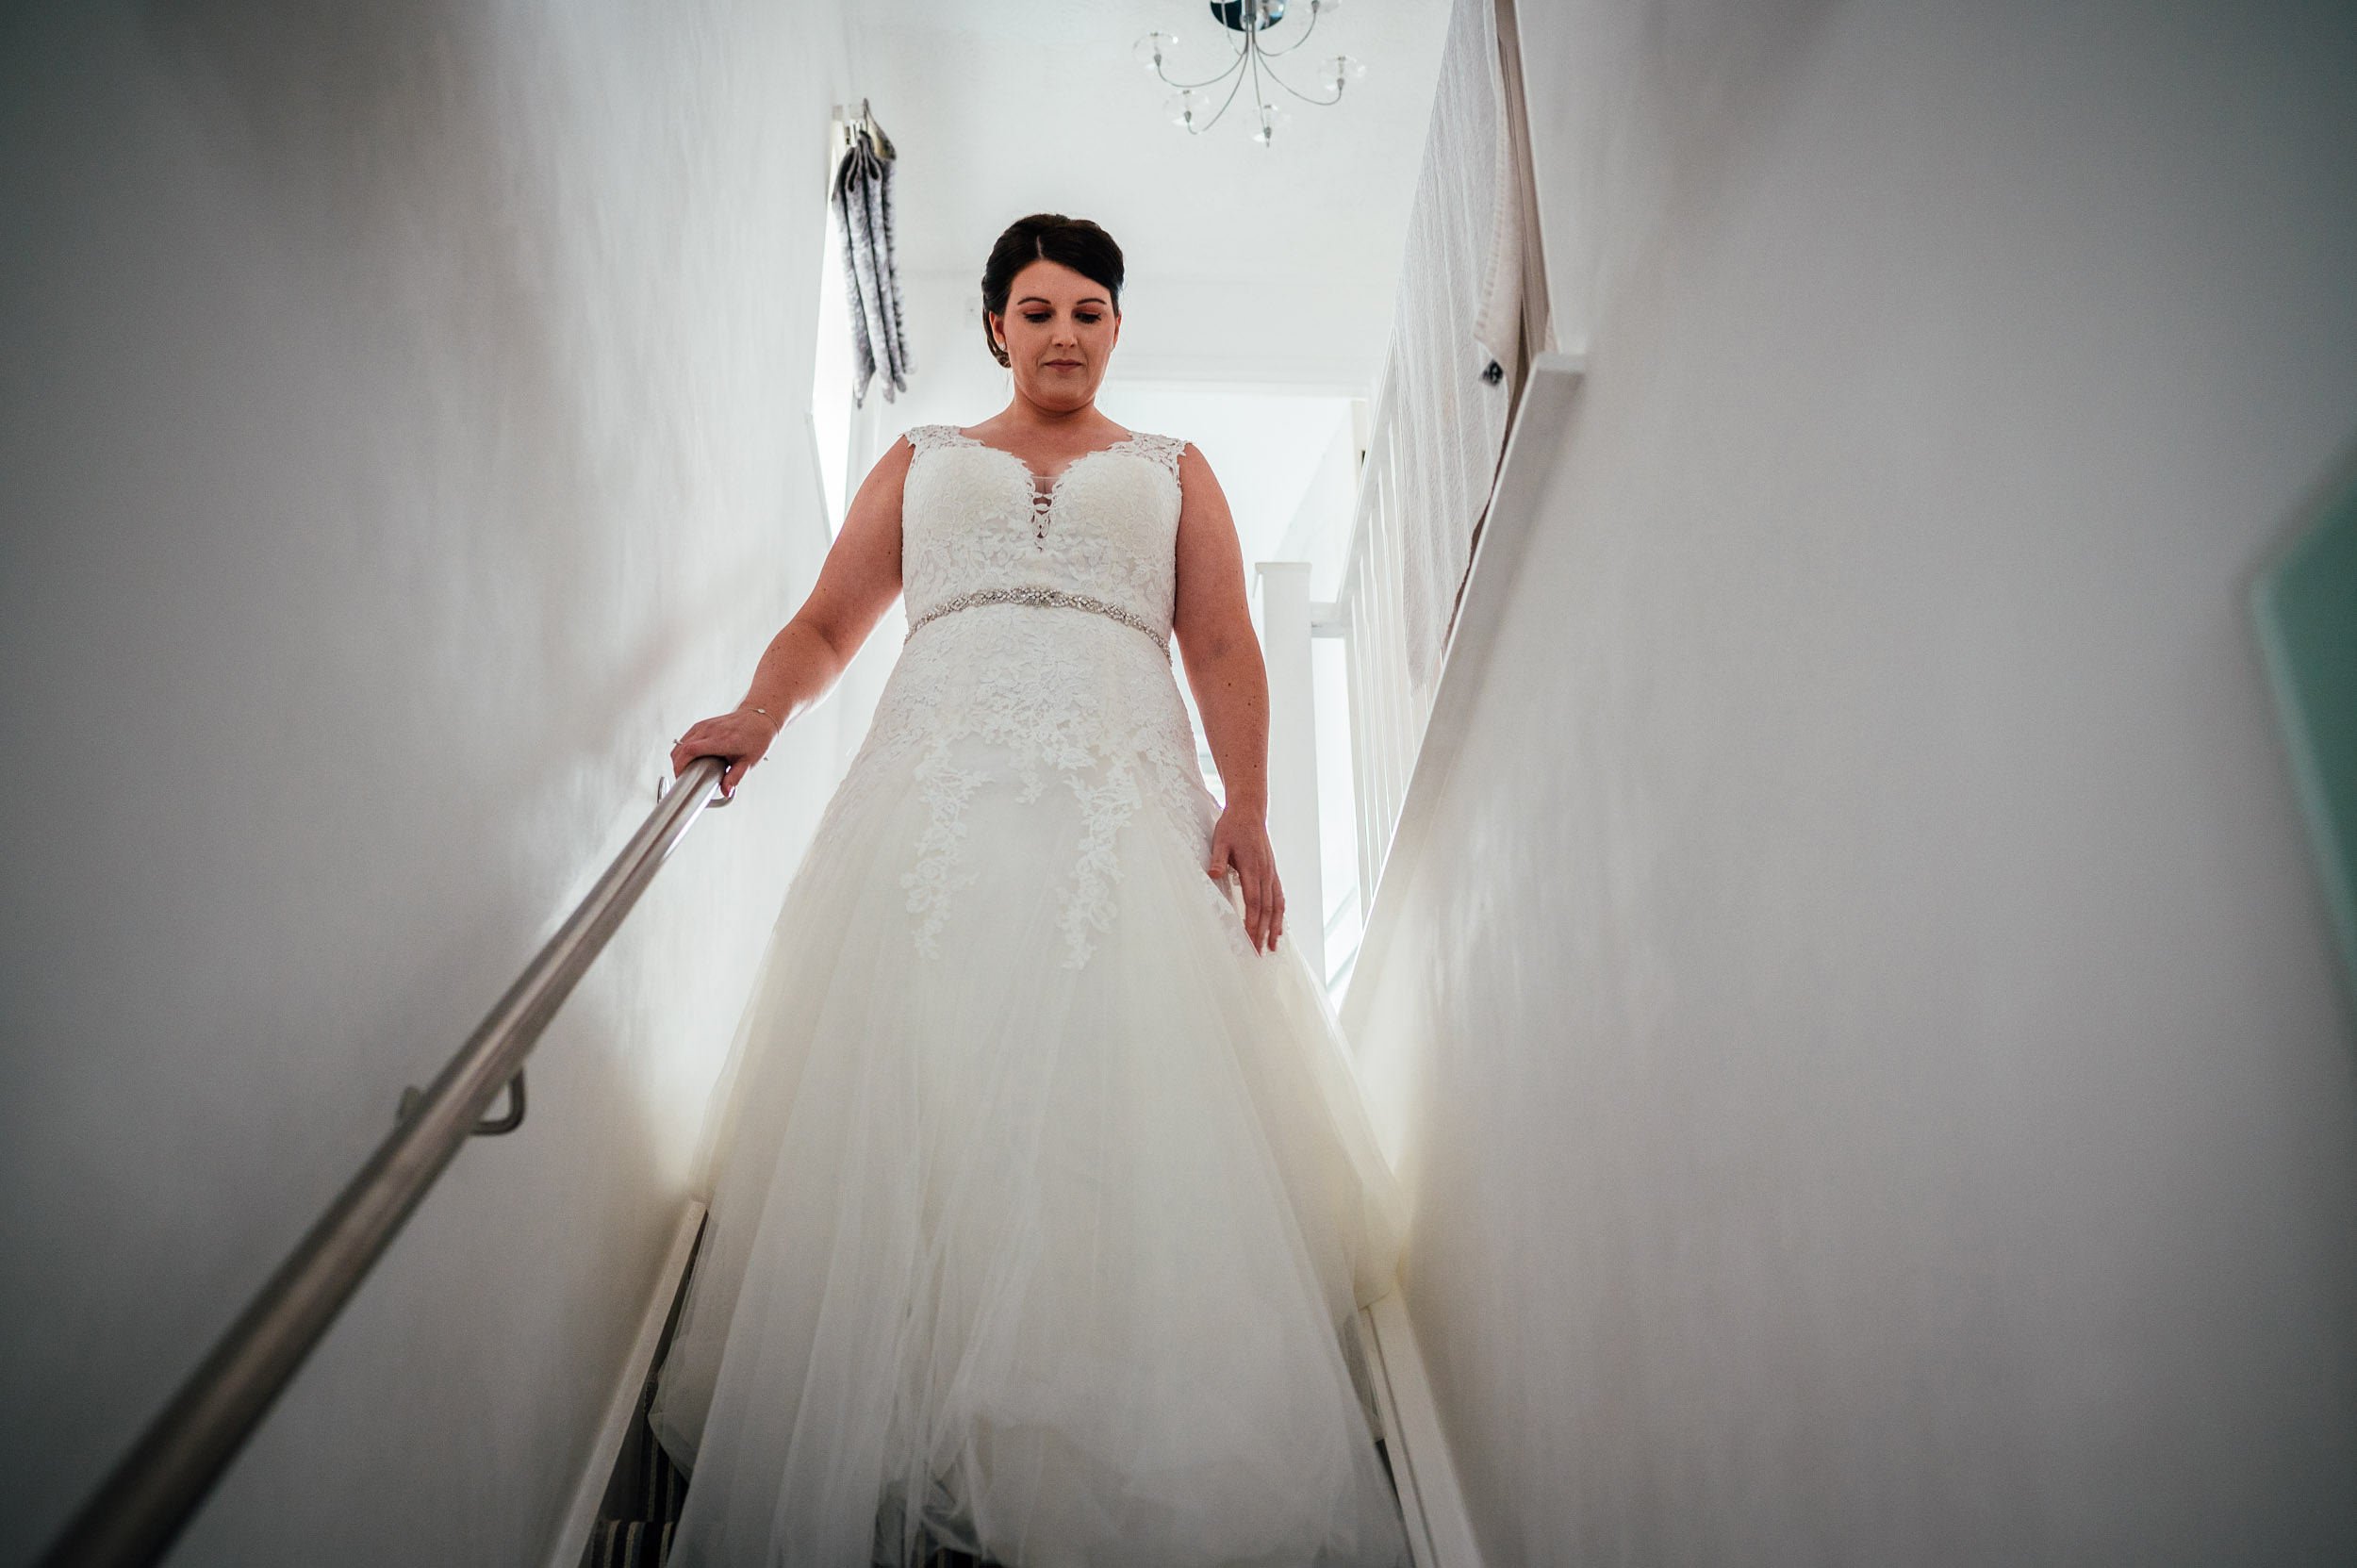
{"x": 743, "y": 736}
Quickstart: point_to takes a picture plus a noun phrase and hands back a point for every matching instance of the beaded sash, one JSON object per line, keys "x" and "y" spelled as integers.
{"x": 1037, "y": 594}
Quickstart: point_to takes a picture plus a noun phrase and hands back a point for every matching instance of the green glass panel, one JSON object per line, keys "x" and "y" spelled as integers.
{"x": 2307, "y": 615}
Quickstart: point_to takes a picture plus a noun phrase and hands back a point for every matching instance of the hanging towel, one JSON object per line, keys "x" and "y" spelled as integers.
{"x": 862, "y": 208}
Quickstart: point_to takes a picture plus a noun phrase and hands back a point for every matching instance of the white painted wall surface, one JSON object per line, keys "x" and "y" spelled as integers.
{"x": 1877, "y": 1086}
{"x": 1248, "y": 263}
{"x": 401, "y": 416}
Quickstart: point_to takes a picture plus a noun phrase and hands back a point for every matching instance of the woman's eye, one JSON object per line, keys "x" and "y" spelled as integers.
{"x": 1034, "y": 316}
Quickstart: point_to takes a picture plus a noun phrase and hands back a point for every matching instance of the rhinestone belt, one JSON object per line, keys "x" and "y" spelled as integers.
{"x": 1035, "y": 594}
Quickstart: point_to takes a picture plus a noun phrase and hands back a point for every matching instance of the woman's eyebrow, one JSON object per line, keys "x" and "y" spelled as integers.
{"x": 1035, "y": 299}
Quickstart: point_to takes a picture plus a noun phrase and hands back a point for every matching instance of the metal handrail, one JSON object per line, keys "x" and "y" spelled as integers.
{"x": 151, "y": 1494}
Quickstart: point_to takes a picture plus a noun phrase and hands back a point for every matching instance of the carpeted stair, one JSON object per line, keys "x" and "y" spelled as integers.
{"x": 641, "y": 1537}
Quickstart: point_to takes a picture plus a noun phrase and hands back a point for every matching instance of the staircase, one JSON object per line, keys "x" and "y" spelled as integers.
{"x": 640, "y": 1511}
{"x": 639, "y": 1535}
{"x": 643, "y": 1498}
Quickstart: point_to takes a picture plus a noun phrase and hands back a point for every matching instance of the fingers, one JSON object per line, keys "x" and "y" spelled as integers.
{"x": 1256, "y": 875}
{"x": 1264, "y": 904}
{"x": 689, "y": 746}
{"x": 740, "y": 743}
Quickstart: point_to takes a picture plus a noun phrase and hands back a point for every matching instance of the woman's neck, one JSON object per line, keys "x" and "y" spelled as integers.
{"x": 1023, "y": 414}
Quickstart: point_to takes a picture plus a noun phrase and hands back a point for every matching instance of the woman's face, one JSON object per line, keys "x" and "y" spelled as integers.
{"x": 1059, "y": 330}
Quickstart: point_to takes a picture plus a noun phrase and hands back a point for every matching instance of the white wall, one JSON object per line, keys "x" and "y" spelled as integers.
{"x": 1268, "y": 264}
{"x": 401, "y": 417}
{"x": 1879, "y": 1088}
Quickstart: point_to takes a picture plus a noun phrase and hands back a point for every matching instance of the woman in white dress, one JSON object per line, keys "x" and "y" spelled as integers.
{"x": 1042, "y": 1196}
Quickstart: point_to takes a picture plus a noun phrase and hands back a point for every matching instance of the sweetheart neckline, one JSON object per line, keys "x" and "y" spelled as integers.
{"x": 1034, "y": 474}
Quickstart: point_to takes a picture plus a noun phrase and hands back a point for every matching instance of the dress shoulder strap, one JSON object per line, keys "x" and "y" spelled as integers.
{"x": 1165, "y": 450}
{"x": 925, "y": 437}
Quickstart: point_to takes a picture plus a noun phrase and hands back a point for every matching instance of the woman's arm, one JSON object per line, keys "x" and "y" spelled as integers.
{"x": 857, "y": 583}
{"x": 1213, "y": 621}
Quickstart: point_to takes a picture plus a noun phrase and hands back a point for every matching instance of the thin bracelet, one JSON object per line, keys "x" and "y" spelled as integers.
{"x": 763, "y": 712}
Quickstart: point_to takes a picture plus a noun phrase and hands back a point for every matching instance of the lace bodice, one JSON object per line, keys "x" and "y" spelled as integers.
{"x": 1025, "y": 672}
{"x": 974, "y": 520}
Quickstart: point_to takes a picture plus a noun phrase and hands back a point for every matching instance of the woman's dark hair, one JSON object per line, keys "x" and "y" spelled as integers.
{"x": 1073, "y": 242}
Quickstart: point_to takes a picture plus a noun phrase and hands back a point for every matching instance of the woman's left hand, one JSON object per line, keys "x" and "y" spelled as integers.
{"x": 1240, "y": 843}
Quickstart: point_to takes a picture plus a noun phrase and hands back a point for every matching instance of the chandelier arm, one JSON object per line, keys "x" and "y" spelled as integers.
{"x": 1210, "y": 78}
{"x": 1223, "y": 104}
{"x": 1322, "y": 103}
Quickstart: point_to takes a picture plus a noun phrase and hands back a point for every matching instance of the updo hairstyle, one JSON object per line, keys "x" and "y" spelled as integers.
{"x": 1074, "y": 242}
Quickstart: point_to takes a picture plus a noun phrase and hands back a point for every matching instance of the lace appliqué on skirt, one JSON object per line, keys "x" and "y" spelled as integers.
{"x": 1021, "y": 699}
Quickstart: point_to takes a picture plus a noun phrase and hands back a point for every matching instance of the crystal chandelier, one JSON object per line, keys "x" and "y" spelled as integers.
{"x": 1251, "y": 20}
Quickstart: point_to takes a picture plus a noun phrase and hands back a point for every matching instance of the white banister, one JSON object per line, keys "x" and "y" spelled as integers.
{"x": 1292, "y": 763}
{"x": 1541, "y": 421}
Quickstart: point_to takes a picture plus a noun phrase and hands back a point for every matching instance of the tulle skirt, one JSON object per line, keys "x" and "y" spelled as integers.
{"x": 1038, "y": 1223}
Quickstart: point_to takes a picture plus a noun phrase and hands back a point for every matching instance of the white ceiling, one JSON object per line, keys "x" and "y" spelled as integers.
{"x": 1246, "y": 264}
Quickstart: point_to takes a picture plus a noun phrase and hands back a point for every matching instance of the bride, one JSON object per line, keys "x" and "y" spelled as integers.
{"x": 1041, "y": 1198}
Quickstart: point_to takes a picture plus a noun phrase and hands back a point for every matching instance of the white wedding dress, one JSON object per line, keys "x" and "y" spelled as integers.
{"x": 1041, "y": 1202}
